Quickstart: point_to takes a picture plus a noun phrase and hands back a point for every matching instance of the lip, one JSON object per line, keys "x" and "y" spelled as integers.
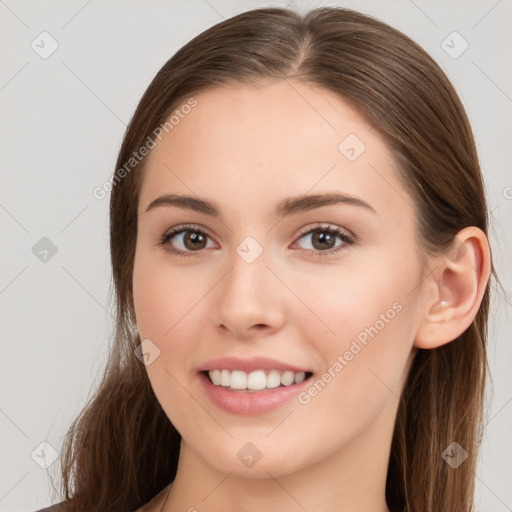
{"x": 249, "y": 365}
{"x": 246, "y": 403}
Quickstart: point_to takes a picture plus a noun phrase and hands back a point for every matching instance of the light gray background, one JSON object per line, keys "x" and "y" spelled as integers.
{"x": 62, "y": 122}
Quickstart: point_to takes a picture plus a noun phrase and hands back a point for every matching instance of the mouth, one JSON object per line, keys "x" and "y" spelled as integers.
{"x": 255, "y": 381}
{"x": 252, "y": 386}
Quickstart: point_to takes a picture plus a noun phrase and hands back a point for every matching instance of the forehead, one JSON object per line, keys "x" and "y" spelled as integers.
{"x": 251, "y": 145}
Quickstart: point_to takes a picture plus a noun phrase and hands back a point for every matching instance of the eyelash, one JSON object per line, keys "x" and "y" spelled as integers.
{"x": 332, "y": 230}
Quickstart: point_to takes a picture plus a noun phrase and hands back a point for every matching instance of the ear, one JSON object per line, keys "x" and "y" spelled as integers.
{"x": 461, "y": 277}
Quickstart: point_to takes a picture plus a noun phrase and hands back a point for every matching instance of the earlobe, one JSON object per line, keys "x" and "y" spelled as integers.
{"x": 460, "y": 282}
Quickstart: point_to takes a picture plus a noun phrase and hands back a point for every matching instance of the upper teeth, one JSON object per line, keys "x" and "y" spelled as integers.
{"x": 256, "y": 380}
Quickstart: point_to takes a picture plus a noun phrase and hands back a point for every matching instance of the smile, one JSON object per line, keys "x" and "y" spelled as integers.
{"x": 235, "y": 394}
{"x": 239, "y": 380}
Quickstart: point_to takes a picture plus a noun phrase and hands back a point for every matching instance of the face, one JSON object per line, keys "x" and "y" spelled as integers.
{"x": 275, "y": 287}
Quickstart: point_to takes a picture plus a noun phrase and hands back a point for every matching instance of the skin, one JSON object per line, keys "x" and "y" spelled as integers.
{"x": 246, "y": 148}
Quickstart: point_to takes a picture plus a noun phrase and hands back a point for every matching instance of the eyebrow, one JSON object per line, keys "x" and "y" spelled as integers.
{"x": 288, "y": 206}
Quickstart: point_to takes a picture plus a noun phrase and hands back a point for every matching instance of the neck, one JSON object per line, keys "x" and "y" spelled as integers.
{"x": 352, "y": 479}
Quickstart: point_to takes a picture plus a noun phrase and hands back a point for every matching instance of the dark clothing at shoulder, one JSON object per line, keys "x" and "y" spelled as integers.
{"x": 54, "y": 508}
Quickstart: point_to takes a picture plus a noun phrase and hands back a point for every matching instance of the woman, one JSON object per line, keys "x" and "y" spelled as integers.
{"x": 301, "y": 267}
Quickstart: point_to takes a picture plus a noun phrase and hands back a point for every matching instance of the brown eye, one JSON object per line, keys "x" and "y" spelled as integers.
{"x": 322, "y": 240}
{"x": 184, "y": 240}
{"x": 194, "y": 240}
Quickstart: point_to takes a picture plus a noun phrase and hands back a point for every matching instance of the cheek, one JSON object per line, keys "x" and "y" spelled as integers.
{"x": 364, "y": 333}
{"x": 349, "y": 304}
{"x": 170, "y": 307}
{"x": 163, "y": 295}
{"x": 365, "y": 365}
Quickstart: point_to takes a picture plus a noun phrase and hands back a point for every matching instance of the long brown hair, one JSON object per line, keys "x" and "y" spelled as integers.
{"x": 122, "y": 449}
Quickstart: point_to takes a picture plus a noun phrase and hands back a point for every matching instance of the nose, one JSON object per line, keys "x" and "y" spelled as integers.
{"x": 248, "y": 302}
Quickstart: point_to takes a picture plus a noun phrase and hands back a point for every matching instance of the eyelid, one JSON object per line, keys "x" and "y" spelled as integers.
{"x": 187, "y": 227}
{"x": 303, "y": 231}
{"x": 180, "y": 228}
{"x": 341, "y": 232}
{"x": 327, "y": 226}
